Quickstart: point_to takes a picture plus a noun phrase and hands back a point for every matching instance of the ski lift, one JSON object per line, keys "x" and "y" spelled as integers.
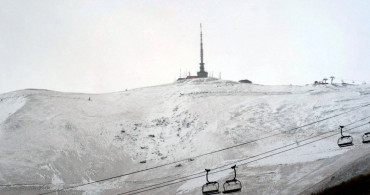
{"x": 232, "y": 185}
{"x": 211, "y": 187}
{"x": 344, "y": 141}
{"x": 366, "y": 138}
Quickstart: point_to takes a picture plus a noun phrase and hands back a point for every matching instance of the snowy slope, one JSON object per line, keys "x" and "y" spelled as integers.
{"x": 50, "y": 140}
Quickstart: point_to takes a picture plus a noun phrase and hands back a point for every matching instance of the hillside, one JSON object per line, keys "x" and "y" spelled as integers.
{"x": 51, "y": 140}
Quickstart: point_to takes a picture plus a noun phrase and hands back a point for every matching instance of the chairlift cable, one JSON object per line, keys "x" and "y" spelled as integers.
{"x": 174, "y": 162}
{"x": 212, "y": 152}
{"x": 288, "y": 131}
{"x": 246, "y": 162}
{"x": 240, "y": 160}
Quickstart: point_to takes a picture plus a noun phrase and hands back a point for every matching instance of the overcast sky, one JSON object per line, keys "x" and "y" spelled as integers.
{"x": 105, "y": 46}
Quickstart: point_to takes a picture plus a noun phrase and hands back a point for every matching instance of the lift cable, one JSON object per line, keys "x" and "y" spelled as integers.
{"x": 212, "y": 152}
{"x": 137, "y": 191}
{"x": 240, "y": 160}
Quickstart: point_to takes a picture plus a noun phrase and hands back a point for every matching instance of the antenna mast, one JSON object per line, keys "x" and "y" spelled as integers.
{"x": 201, "y": 49}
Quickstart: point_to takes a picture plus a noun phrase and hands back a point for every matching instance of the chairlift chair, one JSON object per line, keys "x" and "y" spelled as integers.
{"x": 232, "y": 185}
{"x": 211, "y": 187}
{"x": 366, "y": 138}
{"x": 346, "y": 140}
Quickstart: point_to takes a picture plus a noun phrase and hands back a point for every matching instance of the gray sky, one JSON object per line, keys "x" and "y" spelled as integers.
{"x": 104, "y": 46}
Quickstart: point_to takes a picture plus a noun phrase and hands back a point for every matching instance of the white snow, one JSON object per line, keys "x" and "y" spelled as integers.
{"x": 65, "y": 139}
{"x": 9, "y": 107}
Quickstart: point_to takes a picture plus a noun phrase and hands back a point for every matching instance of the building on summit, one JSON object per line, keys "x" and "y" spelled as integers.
{"x": 202, "y": 73}
{"x": 245, "y": 81}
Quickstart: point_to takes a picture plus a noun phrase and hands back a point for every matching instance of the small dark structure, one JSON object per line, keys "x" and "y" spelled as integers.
{"x": 245, "y": 81}
{"x": 323, "y": 82}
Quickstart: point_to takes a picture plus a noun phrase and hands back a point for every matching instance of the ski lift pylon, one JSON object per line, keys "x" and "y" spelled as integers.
{"x": 211, "y": 187}
{"x": 232, "y": 185}
{"x": 344, "y": 140}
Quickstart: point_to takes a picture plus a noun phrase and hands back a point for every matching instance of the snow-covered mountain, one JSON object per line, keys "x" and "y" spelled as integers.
{"x": 51, "y": 140}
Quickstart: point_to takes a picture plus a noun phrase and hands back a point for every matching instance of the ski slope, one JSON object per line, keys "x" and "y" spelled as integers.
{"x": 51, "y": 140}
